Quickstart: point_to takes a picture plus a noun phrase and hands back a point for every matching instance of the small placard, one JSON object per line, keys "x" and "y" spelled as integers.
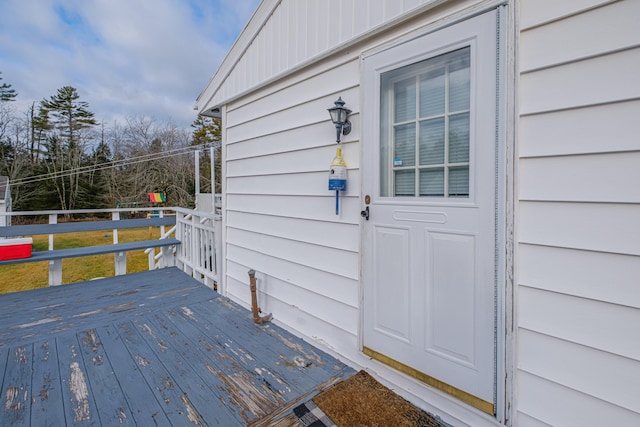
{"x": 397, "y": 161}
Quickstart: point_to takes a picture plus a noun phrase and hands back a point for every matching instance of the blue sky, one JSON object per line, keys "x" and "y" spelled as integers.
{"x": 126, "y": 58}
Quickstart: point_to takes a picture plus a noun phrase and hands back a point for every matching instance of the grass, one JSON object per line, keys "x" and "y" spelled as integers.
{"x": 33, "y": 275}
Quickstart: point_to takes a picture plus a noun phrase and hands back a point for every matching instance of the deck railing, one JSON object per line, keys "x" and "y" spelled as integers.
{"x": 192, "y": 242}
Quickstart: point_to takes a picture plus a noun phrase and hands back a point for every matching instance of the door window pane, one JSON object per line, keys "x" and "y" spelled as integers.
{"x": 405, "y": 183}
{"x": 432, "y": 182}
{"x": 459, "y": 82}
{"x": 432, "y": 142}
{"x": 405, "y": 100}
{"x": 438, "y": 134}
{"x": 432, "y": 93}
{"x": 405, "y": 145}
{"x": 459, "y": 138}
{"x": 459, "y": 181}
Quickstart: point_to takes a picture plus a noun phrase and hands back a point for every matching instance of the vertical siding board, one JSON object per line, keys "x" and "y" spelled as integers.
{"x": 303, "y": 29}
{"x": 392, "y": 9}
{"x": 325, "y": 25}
{"x": 376, "y": 14}
{"x": 312, "y": 29}
{"x": 347, "y": 17}
{"x": 277, "y": 52}
{"x": 360, "y": 16}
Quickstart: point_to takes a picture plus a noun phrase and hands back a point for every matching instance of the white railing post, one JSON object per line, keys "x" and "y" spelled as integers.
{"x": 195, "y": 251}
{"x": 151, "y": 258}
{"x": 55, "y": 266}
{"x": 217, "y": 239}
{"x": 119, "y": 258}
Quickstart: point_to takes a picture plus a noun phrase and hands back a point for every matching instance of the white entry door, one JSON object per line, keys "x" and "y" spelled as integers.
{"x": 429, "y": 245}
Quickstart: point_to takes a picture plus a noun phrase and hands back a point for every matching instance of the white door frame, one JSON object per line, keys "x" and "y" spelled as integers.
{"x": 506, "y": 153}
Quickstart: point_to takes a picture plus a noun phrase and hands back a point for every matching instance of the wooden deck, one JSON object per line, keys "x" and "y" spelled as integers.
{"x": 149, "y": 349}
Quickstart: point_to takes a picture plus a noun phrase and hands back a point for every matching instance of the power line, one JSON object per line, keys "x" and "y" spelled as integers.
{"x": 110, "y": 165}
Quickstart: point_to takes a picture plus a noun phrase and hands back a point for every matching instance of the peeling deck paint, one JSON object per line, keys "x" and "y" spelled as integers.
{"x": 185, "y": 357}
{"x": 37, "y": 322}
{"x": 79, "y": 391}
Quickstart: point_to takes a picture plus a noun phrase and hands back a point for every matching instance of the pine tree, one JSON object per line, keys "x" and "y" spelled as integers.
{"x": 207, "y": 133}
{"x": 6, "y": 93}
{"x": 69, "y": 118}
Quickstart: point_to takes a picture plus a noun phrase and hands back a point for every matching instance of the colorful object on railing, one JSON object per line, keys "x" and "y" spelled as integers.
{"x": 157, "y": 198}
{"x": 15, "y": 248}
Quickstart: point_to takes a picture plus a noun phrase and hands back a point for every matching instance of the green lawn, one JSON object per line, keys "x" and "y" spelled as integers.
{"x": 33, "y": 275}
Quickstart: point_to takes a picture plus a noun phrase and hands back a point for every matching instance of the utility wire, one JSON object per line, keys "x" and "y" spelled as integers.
{"x": 109, "y": 165}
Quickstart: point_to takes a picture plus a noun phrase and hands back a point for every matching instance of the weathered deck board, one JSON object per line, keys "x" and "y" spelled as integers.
{"x": 153, "y": 348}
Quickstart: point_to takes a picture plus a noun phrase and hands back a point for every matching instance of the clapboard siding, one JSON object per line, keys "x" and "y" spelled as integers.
{"x": 305, "y": 207}
{"x": 598, "y": 80}
{"x": 295, "y": 115}
{"x": 618, "y": 21}
{"x": 597, "y": 276}
{"x": 579, "y": 241}
{"x": 303, "y": 184}
{"x": 611, "y": 178}
{"x": 341, "y": 316}
{"x": 580, "y": 368}
{"x": 313, "y": 86}
{"x": 314, "y": 280}
{"x": 310, "y": 30}
{"x": 339, "y": 262}
{"x": 301, "y": 138}
{"x": 589, "y": 226}
{"x": 581, "y": 131}
{"x": 538, "y": 12}
{"x": 558, "y": 405}
{"x": 332, "y": 235}
{"x": 309, "y": 160}
{"x": 591, "y": 323}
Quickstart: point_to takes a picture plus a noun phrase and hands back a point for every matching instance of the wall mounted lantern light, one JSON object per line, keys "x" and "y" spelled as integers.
{"x": 339, "y": 117}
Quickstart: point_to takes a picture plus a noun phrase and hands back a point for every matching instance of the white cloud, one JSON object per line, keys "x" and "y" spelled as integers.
{"x": 125, "y": 57}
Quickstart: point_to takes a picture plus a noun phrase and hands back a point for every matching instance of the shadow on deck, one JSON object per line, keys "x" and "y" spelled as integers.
{"x": 151, "y": 348}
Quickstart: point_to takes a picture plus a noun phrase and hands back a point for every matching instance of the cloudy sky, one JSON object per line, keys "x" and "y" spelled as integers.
{"x": 126, "y": 58}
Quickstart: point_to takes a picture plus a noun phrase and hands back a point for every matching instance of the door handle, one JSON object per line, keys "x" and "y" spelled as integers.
{"x": 365, "y": 213}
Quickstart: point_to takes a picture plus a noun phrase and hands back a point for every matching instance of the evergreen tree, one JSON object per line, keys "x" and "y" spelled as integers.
{"x": 207, "y": 133}
{"x": 6, "y": 93}
{"x": 68, "y": 117}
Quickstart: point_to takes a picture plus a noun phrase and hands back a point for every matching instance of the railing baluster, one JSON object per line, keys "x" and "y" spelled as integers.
{"x": 55, "y": 266}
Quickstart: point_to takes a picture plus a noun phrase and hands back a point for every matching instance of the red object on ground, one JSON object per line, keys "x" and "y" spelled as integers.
{"x": 15, "y": 248}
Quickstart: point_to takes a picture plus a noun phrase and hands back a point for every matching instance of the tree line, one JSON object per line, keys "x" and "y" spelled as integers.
{"x": 58, "y": 155}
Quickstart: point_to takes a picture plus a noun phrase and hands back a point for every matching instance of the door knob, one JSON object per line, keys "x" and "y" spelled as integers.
{"x": 365, "y": 213}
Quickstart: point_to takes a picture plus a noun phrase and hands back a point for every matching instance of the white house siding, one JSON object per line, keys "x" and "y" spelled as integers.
{"x": 280, "y": 216}
{"x": 285, "y": 34}
{"x": 578, "y": 308}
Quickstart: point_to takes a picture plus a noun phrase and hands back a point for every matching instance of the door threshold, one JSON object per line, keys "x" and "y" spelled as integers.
{"x": 461, "y": 395}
